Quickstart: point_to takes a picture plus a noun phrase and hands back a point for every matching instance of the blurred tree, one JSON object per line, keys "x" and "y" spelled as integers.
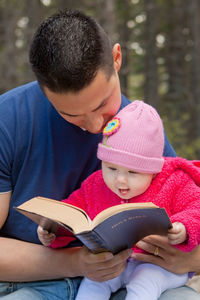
{"x": 16, "y": 35}
{"x": 151, "y": 52}
{"x": 106, "y": 16}
{"x": 180, "y": 102}
{"x": 124, "y": 13}
{"x": 173, "y": 15}
{"x": 193, "y": 8}
{"x": 8, "y": 61}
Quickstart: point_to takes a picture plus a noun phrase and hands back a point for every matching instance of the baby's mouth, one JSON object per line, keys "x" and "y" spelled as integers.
{"x": 123, "y": 192}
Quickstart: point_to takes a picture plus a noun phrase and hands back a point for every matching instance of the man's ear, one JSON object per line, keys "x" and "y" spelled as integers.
{"x": 117, "y": 57}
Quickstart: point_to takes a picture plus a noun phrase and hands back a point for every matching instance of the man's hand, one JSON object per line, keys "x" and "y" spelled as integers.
{"x": 102, "y": 266}
{"x": 168, "y": 257}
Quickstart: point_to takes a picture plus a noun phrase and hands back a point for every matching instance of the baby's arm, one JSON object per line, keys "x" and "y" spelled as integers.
{"x": 45, "y": 237}
{"x": 177, "y": 234}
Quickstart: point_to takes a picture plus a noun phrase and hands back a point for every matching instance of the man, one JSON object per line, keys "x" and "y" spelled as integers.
{"x": 49, "y": 131}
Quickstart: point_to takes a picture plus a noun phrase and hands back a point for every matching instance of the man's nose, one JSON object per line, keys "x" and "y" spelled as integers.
{"x": 95, "y": 123}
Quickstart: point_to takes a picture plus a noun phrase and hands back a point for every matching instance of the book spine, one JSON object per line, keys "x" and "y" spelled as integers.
{"x": 92, "y": 241}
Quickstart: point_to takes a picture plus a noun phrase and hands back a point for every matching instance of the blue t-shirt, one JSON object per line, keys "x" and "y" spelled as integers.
{"x": 41, "y": 154}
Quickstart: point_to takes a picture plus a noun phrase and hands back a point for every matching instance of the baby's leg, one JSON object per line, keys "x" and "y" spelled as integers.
{"x": 149, "y": 281}
{"x": 92, "y": 290}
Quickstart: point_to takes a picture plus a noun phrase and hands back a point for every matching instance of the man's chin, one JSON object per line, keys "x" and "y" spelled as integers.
{"x": 96, "y": 132}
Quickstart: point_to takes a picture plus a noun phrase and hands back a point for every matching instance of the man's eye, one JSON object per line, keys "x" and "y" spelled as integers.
{"x": 131, "y": 172}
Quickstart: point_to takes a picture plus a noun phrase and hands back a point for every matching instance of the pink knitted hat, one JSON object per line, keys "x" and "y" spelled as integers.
{"x": 134, "y": 139}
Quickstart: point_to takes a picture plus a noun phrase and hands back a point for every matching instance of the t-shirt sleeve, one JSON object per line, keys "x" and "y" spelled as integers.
{"x": 6, "y": 146}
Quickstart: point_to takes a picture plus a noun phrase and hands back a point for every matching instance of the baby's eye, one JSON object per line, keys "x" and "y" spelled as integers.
{"x": 131, "y": 172}
{"x": 112, "y": 169}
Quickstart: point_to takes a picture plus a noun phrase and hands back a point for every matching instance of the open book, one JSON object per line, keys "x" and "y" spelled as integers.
{"x": 114, "y": 229}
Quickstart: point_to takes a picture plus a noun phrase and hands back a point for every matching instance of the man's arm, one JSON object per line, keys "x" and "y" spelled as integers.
{"x": 23, "y": 261}
{"x": 169, "y": 257}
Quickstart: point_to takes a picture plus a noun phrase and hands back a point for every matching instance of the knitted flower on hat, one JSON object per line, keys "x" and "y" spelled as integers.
{"x": 112, "y": 126}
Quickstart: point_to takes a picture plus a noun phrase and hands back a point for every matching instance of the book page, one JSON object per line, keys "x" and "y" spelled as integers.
{"x": 118, "y": 208}
{"x": 58, "y": 211}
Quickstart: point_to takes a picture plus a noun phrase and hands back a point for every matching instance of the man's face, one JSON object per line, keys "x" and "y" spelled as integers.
{"x": 93, "y": 106}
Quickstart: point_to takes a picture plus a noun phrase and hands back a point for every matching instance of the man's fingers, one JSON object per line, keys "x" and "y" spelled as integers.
{"x": 111, "y": 272}
{"x": 162, "y": 254}
{"x": 107, "y": 258}
{"x": 152, "y": 241}
{"x": 157, "y": 260}
{"x": 102, "y": 266}
{"x": 146, "y": 246}
{"x": 157, "y": 252}
{"x": 157, "y": 240}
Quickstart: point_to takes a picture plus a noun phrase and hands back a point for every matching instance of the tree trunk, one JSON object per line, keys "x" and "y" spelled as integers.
{"x": 151, "y": 55}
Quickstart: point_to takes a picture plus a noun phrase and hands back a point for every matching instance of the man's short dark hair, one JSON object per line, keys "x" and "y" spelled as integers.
{"x": 67, "y": 51}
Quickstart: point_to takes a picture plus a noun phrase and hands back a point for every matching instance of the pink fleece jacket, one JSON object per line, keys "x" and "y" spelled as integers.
{"x": 176, "y": 188}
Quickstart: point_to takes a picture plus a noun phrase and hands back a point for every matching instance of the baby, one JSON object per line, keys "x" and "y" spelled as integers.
{"x": 134, "y": 170}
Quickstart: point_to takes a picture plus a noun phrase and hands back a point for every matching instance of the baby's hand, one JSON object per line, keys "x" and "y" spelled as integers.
{"x": 177, "y": 234}
{"x": 45, "y": 237}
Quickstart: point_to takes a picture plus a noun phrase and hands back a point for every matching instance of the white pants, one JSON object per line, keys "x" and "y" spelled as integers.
{"x": 143, "y": 282}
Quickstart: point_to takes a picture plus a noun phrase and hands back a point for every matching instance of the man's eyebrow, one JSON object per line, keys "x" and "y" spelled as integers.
{"x": 70, "y": 115}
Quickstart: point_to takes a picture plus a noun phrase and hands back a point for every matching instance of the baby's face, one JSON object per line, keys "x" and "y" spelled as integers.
{"x": 125, "y": 182}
